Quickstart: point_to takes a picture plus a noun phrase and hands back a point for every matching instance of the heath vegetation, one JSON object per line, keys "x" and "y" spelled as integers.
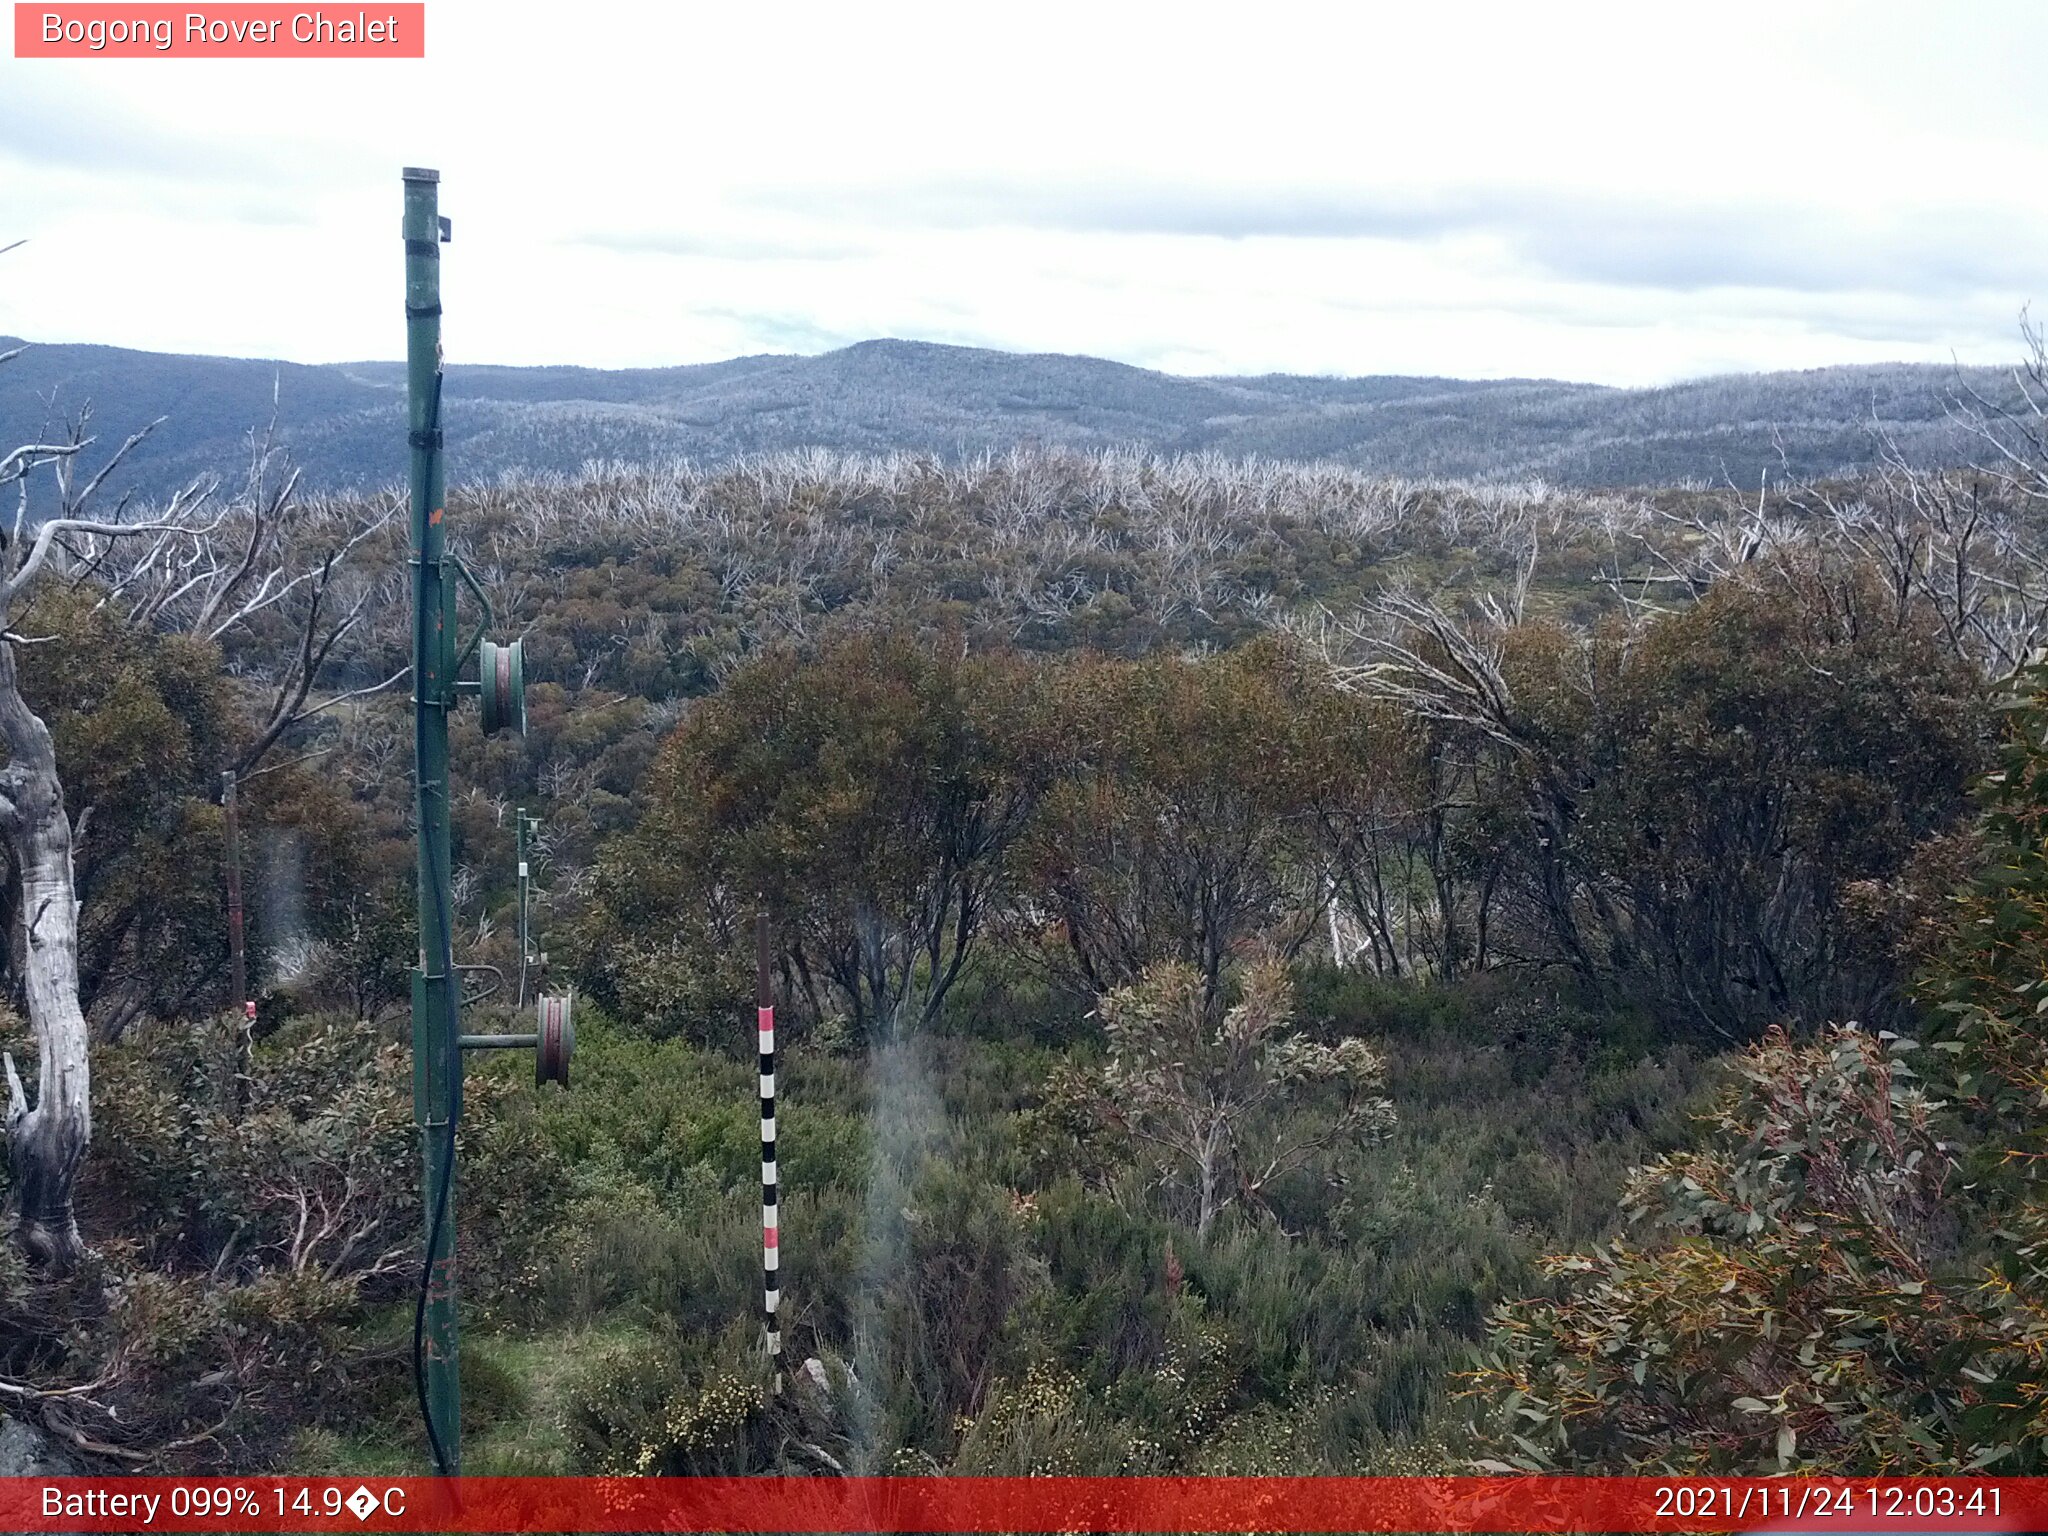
{"x": 1282, "y": 969}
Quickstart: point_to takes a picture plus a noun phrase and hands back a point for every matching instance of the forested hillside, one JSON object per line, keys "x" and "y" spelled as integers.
{"x": 342, "y": 420}
{"x": 1283, "y": 968}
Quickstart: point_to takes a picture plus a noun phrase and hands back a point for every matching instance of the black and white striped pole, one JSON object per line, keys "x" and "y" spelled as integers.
{"x": 771, "y": 1230}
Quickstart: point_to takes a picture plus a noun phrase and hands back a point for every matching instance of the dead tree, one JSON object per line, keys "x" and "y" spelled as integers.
{"x": 2014, "y": 432}
{"x": 47, "y": 1140}
{"x": 273, "y": 565}
{"x": 283, "y": 577}
{"x": 1963, "y": 548}
{"x": 1448, "y": 673}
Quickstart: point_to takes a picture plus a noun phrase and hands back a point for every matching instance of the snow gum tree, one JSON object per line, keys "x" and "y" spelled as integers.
{"x": 1225, "y": 1092}
{"x": 47, "y": 1139}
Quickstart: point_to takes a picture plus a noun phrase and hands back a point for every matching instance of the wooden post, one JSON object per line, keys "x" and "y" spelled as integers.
{"x": 244, "y": 1006}
{"x": 238, "y": 963}
{"x": 771, "y": 1216}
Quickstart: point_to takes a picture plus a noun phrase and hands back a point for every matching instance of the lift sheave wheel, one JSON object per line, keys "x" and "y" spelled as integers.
{"x": 502, "y": 687}
{"x": 556, "y": 1042}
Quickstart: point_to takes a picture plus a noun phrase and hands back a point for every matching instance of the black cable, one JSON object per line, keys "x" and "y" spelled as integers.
{"x": 419, "y": 1316}
{"x": 443, "y": 909}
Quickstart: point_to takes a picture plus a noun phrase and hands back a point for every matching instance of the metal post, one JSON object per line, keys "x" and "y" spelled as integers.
{"x": 525, "y": 934}
{"x": 437, "y": 1059}
{"x": 771, "y": 1205}
{"x": 238, "y": 964}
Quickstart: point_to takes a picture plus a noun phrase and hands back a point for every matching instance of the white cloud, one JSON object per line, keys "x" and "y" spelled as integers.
{"x": 1618, "y": 193}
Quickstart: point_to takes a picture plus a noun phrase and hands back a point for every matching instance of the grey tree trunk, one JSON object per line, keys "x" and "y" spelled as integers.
{"x": 1207, "y": 1154}
{"x": 46, "y": 1141}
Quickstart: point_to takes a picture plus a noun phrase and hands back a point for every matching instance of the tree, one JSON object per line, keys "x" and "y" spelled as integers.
{"x": 1787, "y": 1301}
{"x": 215, "y": 644}
{"x": 1487, "y": 756}
{"x": 47, "y": 1140}
{"x": 1743, "y": 764}
{"x": 1184, "y": 825}
{"x": 137, "y": 722}
{"x": 1683, "y": 798}
{"x": 202, "y": 576}
{"x": 283, "y": 576}
{"x": 1849, "y": 1276}
{"x": 1411, "y": 823}
{"x": 869, "y": 792}
{"x": 1201, "y": 1082}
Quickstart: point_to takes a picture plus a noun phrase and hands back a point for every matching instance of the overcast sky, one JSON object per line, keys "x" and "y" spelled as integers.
{"x": 1625, "y": 194}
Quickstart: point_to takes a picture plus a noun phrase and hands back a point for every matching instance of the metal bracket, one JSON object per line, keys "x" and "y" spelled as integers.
{"x": 496, "y": 986}
{"x": 470, "y": 646}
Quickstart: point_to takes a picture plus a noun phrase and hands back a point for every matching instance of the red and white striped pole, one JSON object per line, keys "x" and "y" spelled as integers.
{"x": 771, "y": 1235}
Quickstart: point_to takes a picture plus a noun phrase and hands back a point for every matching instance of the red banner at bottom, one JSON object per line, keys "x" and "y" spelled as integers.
{"x": 1025, "y": 1504}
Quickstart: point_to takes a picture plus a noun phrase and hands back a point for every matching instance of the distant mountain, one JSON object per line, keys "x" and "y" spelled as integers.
{"x": 344, "y": 422}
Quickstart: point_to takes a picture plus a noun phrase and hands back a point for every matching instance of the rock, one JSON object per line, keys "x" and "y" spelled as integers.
{"x": 26, "y": 1451}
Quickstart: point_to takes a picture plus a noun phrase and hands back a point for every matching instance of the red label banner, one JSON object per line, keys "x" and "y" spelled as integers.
{"x": 224, "y": 31}
{"x": 1050, "y": 1504}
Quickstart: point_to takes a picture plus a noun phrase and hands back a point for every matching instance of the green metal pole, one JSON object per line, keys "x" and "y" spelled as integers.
{"x": 437, "y": 1059}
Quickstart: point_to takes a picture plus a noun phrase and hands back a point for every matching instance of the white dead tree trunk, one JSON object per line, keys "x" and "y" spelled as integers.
{"x": 47, "y": 1139}
{"x": 46, "y": 1142}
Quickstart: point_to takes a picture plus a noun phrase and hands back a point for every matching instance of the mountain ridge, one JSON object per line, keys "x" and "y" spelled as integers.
{"x": 343, "y": 421}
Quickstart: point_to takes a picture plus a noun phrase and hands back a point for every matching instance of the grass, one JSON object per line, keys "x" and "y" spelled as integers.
{"x": 958, "y": 1272}
{"x": 1008, "y": 1296}
{"x": 517, "y": 1390}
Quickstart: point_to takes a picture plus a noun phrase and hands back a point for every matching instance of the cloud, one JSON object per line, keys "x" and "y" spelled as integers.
{"x": 1925, "y": 251}
{"x": 50, "y": 130}
{"x": 1342, "y": 189}
{"x": 782, "y": 332}
{"x": 1577, "y": 236}
{"x": 729, "y": 245}
{"x": 1135, "y": 207}
{"x": 56, "y": 158}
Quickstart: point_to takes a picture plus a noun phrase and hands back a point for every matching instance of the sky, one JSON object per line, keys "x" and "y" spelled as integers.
{"x": 1623, "y": 194}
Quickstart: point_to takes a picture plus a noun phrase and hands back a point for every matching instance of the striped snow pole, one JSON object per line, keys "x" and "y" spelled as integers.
{"x": 771, "y": 1236}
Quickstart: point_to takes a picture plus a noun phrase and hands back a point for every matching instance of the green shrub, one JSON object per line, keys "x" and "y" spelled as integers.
{"x": 661, "y": 1405}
